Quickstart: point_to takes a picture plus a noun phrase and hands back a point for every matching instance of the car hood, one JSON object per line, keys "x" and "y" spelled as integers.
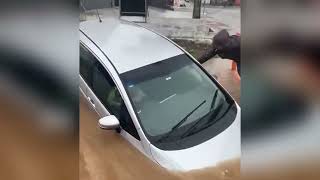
{"x": 224, "y": 146}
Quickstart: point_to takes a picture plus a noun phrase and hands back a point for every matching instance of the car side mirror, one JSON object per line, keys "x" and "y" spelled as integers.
{"x": 109, "y": 122}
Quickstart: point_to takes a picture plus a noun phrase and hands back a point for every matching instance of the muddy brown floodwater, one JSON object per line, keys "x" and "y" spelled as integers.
{"x": 30, "y": 153}
{"x": 106, "y": 155}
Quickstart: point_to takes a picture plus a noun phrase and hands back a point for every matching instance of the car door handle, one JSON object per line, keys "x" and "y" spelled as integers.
{"x": 91, "y": 102}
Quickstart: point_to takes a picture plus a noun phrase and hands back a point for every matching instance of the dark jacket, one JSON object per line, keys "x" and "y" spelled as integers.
{"x": 227, "y": 47}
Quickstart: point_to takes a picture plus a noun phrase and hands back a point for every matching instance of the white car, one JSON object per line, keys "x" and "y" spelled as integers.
{"x": 157, "y": 96}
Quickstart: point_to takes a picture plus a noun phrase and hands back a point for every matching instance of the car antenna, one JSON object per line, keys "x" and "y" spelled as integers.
{"x": 98, "y": 15}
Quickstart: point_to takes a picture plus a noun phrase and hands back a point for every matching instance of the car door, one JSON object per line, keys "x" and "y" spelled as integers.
{"x": 88, "y": 62}
{"x": 107, "y": 93}
{"x": 129, "y": 131}
{"x": 103, "y": 94}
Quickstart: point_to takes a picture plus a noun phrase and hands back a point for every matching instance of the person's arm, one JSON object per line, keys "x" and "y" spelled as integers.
{"x": 231, "y": 50}
{"x": 207, "y": 55}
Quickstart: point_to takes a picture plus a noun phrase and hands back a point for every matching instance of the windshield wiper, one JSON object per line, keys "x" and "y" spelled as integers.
{"x": 214, "y": 99}
{"x": 213, "y": 114}
{"x": 208, "y": 123}
{"x": 181, "y": 122}
{"x": 213, "y": 102}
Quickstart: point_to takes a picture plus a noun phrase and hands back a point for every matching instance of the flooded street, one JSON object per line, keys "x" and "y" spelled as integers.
{"x": 28, "y": 151}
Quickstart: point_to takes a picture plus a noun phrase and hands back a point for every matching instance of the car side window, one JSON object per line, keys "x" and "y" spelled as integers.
{"x": 105, "y": 89}
{"x": 87, "y": 61}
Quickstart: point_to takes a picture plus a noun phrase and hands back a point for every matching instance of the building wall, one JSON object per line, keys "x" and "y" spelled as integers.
{"x": 223, "y": 2}
{"x": 205, "y": 1}
{"x": 160, "y": 3}
{"x": 96, "y": 4}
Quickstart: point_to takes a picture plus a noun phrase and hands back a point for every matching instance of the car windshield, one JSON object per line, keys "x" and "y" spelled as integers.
{"x": 170, "y": 96}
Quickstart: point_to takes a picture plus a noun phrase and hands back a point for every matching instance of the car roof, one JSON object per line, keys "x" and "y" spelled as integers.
{"x": 128, "y": 46}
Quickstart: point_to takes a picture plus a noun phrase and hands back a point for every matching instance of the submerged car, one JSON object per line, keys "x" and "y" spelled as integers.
{"x": 157, "y": 96}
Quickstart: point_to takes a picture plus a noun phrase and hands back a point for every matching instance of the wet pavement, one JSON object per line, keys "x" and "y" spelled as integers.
{"x": 179, "y": 24}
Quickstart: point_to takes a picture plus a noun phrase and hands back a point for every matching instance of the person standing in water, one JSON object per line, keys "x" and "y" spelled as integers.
{"x": 226, "y": 46}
